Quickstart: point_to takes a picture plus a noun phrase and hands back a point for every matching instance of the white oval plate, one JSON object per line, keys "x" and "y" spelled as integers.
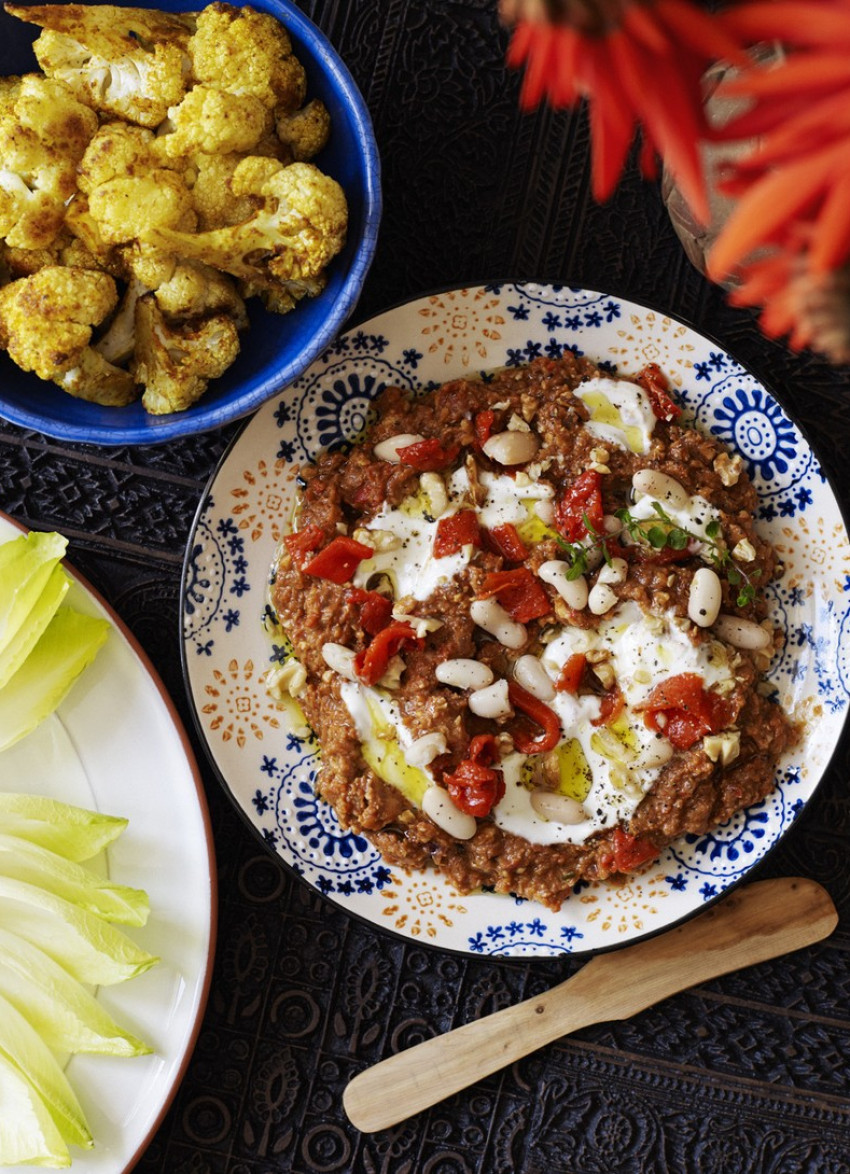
{"x": 116, "y": 745}
{"x": 267, "y": 758}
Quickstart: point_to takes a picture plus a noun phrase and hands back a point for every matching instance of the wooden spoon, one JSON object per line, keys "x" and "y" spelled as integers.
{"x": 760, "y": 921}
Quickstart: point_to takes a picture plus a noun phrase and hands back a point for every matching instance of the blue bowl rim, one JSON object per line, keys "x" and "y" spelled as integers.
{"x": 200, "y": 418}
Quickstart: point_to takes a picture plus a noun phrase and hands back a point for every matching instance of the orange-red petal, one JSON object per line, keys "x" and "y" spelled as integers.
{"x": 699, "y": 30}
{"x": 794, "y": 22}
{"x": 770, "y": 205}
{"x": 830, "y": 245}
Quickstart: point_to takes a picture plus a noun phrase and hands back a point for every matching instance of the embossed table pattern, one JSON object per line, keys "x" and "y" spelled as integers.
{"x": 748, "y": 1073}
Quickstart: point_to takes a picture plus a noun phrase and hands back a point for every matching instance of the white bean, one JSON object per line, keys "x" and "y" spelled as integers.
{"x": 438, "y": 806}
{"x": 742, "y": 633}
{"x": 492, "y": 701}
{"x": 601, "y": 598}
{"x": 614, "y": 572}
{"x": 339, "y": 658}
{"x": 463, "y": 673}
{"x": 662, "y": 487}
{"x": 511, "y": 448}
{"x": 492, "y": 617}
{"x": 387, "y": 450}
{"x": 572, "y": 591}
{"x": 533, "y": 677}
{"x": 704, "y": 597}
{"x": 560, "y": 808}
{"x": 425, "y": 749}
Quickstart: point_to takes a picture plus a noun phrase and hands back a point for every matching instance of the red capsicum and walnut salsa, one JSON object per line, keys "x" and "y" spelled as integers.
{"x": 529, "y": 619}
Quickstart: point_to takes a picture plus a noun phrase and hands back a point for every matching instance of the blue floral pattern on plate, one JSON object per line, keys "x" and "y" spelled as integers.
{"x": 266, "y": 754}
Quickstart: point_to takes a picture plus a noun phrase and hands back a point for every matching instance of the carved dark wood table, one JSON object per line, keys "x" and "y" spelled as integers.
{"x": 749, "y": 1073}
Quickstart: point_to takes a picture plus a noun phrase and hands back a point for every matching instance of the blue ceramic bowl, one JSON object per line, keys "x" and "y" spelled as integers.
{"x": 276, "y": 348}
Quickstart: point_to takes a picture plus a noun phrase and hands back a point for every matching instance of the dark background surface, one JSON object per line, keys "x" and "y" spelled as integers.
{"x": 747, "y": 1073}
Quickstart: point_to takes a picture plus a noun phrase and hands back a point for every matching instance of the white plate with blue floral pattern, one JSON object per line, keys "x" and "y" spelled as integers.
{"x": 267, "y": 757}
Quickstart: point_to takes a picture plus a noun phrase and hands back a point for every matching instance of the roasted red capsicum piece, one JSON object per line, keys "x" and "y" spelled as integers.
{"x": 454, "y": 531}
{"x": 611, "y": 705}
{"x": 483, "y": 425}
{"x": 654, "y": 382}
{"x": 572, "y": 673}
{"x": 477, "y": 786}
{"x": 428, "y": 456}
{"x": 533, "y": 712}
{"x": 505, "y": 540}
{"x": 519, "y": 591}
{"x": 683, "y": 710}
{"x": 303, "y": 542}
{"x": 371, "y": 664}
{"x": 580, "y": 504}
{"x": 628, "y": 852}
{"x": 375, "y": 609}
{"x": 339, "y": 559}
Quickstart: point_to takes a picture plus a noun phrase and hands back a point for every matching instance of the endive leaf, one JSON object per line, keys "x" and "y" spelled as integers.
{"x": 65, "y": 1013}
{"x": 74, "y": 832}
{"x": 26, "y": 565}
{"x": 21, "y": 1046}
{"x": 28, "y": 1134}
{"x": 68, "y": 643}
{"x": 81, "y": 886}
{"x": 90, "y": 949}
{"x": 21, "y": 643}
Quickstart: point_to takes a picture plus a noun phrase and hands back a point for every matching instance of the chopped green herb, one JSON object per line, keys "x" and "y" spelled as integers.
{"x": 668, "y": 535}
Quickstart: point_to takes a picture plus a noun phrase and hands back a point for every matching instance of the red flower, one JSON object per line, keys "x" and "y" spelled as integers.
{"x": 793, "y": 188}
{"x": 639, "y": 65}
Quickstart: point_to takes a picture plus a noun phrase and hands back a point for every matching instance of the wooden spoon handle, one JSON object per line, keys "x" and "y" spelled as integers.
{"x": 755, "y": 923}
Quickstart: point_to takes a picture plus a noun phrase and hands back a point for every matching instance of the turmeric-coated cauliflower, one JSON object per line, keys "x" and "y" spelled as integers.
{"x": 213, "y": 121}
{"x": 304, "y": 131}
{"x": 175, "y": 362}
{"x": 116, "y": 149}
{"x": 298, "y": 229}
{"x": 127, "y": 206}
{"x": 242, "y": 51}
{"x": 44, "y": 131}
{"x": 123, "y": 187}
{"x": 196, "y": 291}
{"x": 46, "y": 324}
{"x": 66, "y": 249}
{"x": 129, "y": 62}
{"x": 212, "y": 191}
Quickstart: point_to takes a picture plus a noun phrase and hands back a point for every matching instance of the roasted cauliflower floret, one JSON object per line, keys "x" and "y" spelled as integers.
{"x": 304, "y": 132}
{"x": 117, "y": 343}
{"x": 117, "y": 149}
{"x": 242, "y": 51}
{"x": 44, "y": 132}
{"x": 212, "y": 191}
{"x": 175, "y": 363}
{"x": 122, "y": 184}
{"x": 128, "y": 62}
{"x": 46, "y": 325}
{"x": 66, "y": 249}
{"x": 298, "y": 229}
{"x": 124, "y": 208}
{"x": 198, "y": 291}
{"x": 213, "y": 121}
{"x": 117, "y": 211}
